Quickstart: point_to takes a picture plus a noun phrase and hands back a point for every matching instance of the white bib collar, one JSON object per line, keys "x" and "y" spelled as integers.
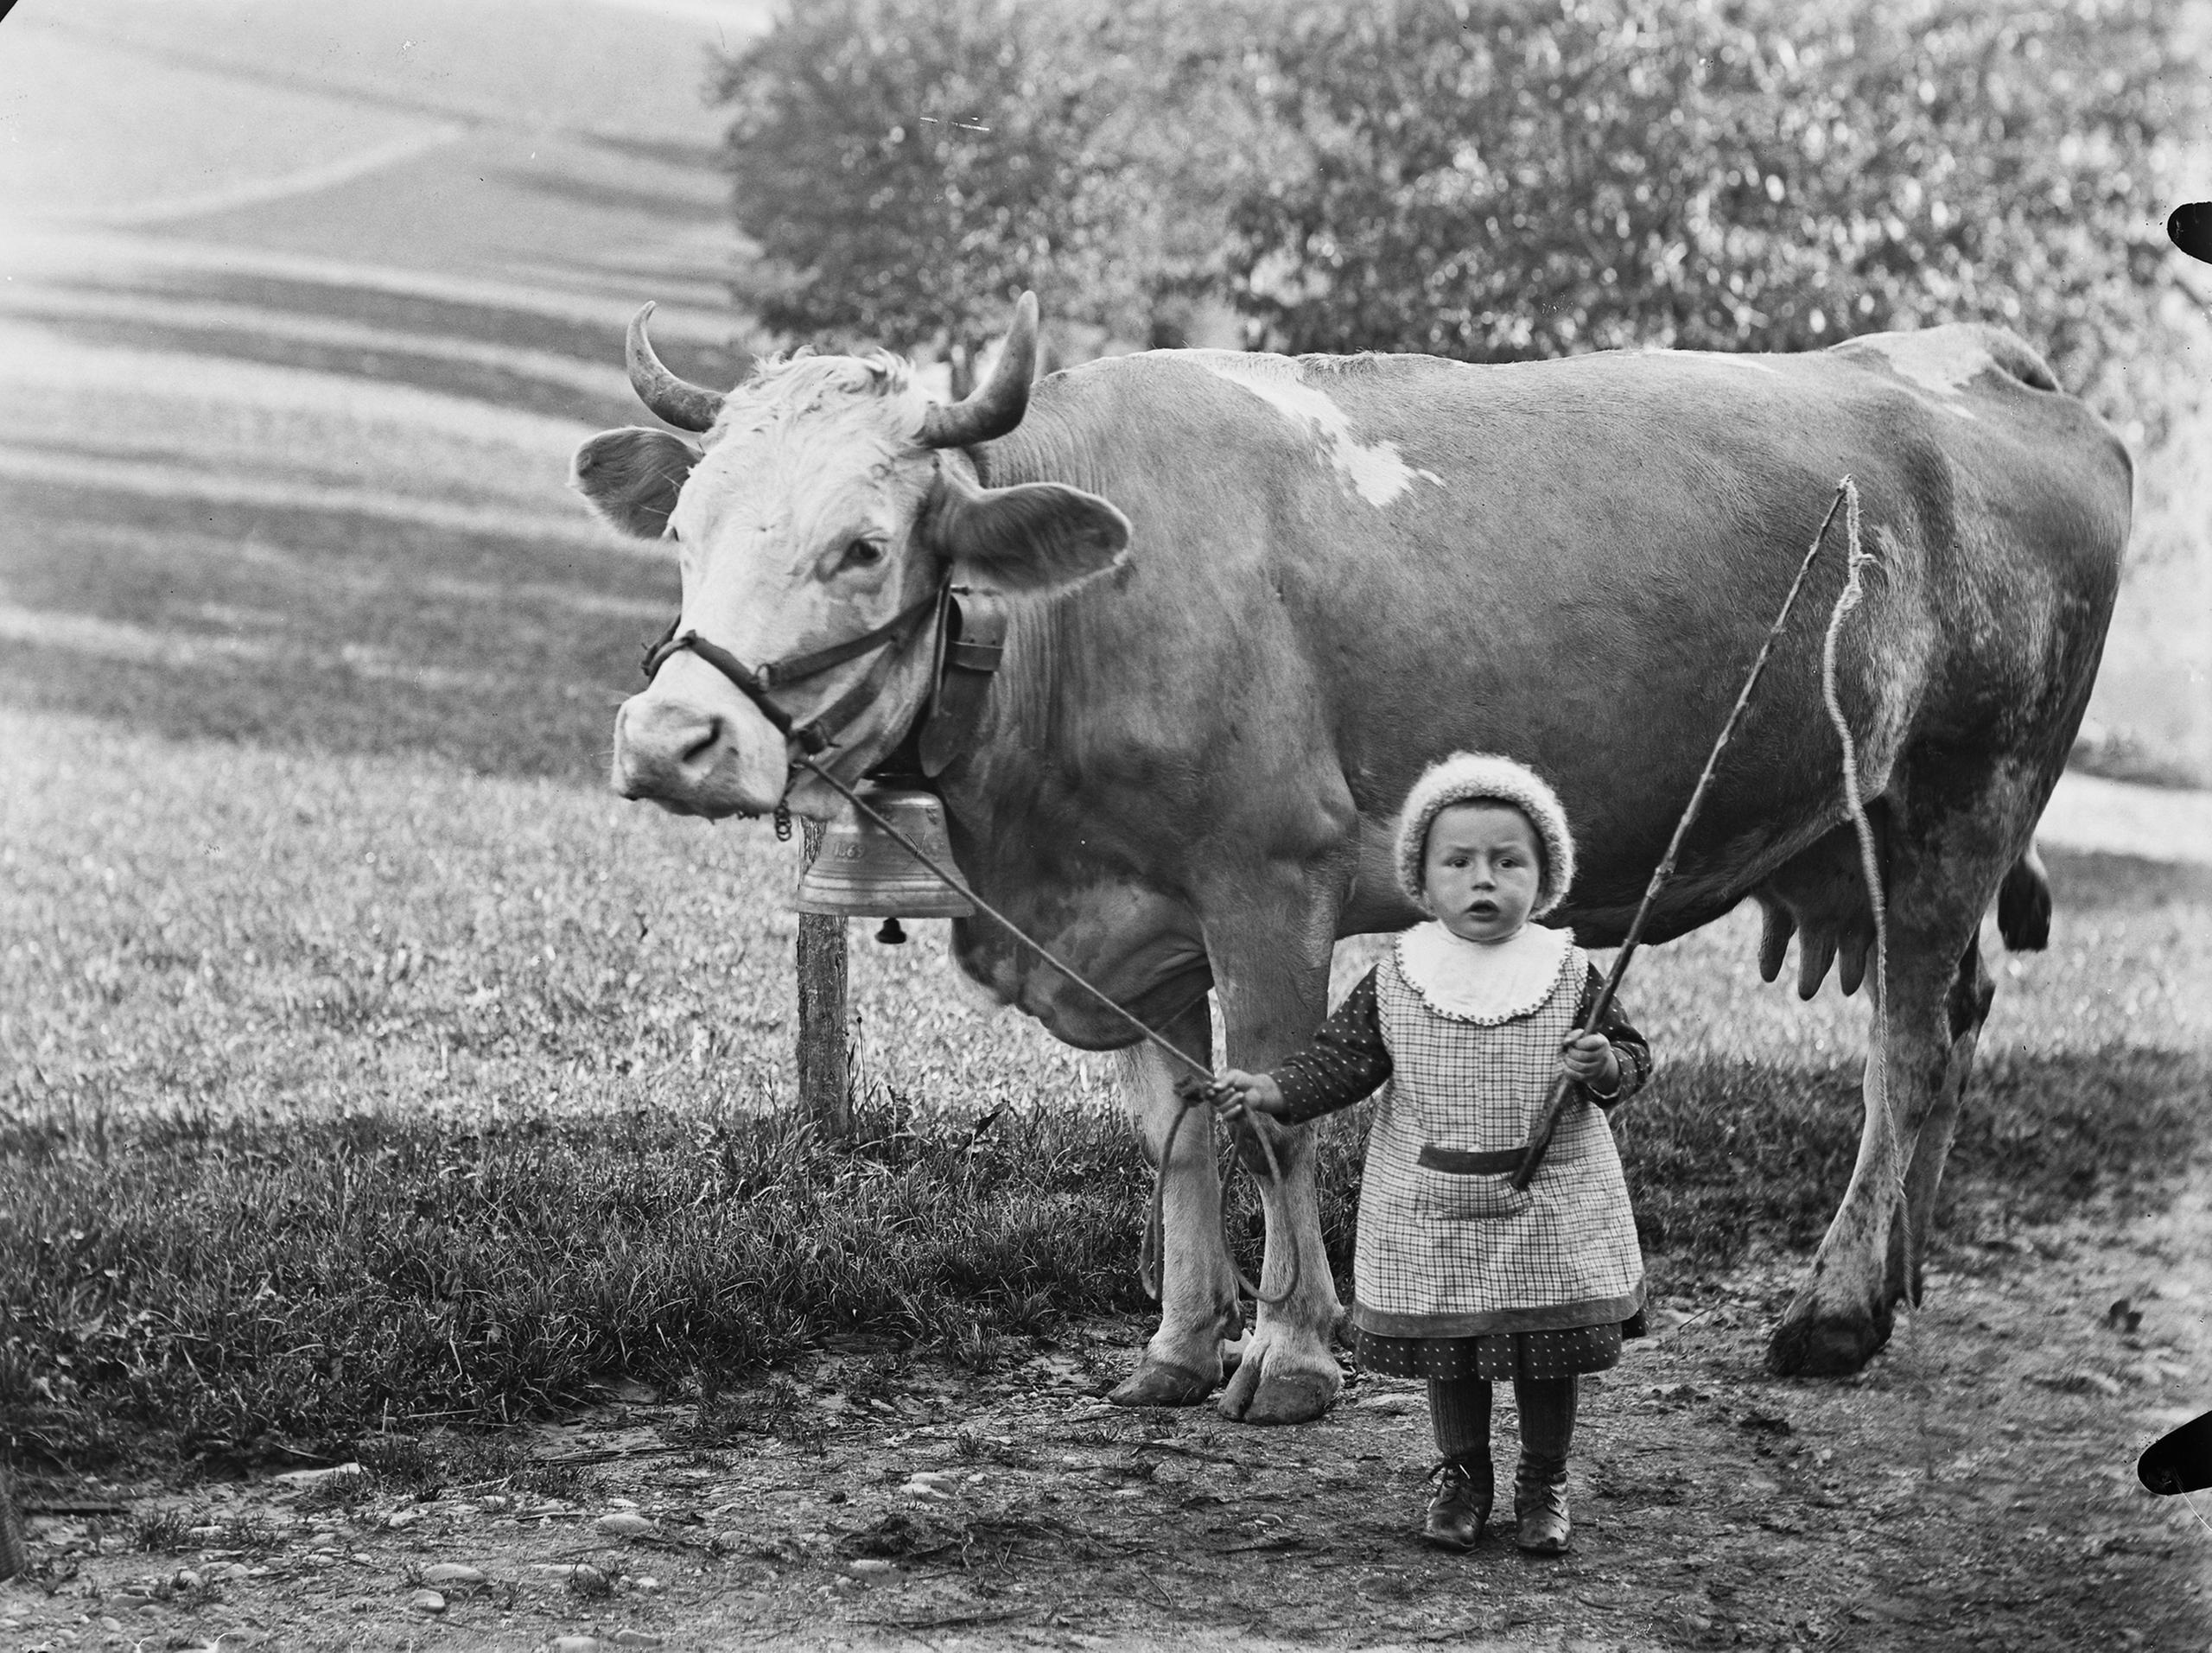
{"x": 1485, "y": 982}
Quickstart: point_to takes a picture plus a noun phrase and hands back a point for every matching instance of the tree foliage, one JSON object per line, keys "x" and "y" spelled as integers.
{"x": 908, "y": 166}
{"x": 1484, "y": 179}
{"x": 1776, "y": 173}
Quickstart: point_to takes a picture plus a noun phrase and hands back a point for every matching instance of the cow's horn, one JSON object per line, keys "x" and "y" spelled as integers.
{"x": 684, "y": 405}
{"x": 994, "y": 407}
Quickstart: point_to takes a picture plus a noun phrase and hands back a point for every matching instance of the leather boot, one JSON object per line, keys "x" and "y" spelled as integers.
{"x": 1541, "y": 1527}
{"x": 1459, "y": 1508}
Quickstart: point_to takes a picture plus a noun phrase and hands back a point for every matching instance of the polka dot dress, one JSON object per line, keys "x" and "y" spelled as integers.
{"x": 1501, "y": 1357}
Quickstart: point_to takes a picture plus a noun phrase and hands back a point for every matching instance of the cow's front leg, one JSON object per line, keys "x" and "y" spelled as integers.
{"x": 1288, "y": 1374}
{"x": 1270, "y": 960}
{"x": 1199, "y": 1314}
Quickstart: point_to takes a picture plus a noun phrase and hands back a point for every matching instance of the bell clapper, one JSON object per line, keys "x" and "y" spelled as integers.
{"x": 891, "y": 935}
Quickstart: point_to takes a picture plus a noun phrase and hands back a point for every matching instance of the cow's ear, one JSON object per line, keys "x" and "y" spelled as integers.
{"x": 632, "y": 477}
{"x": 1032, "y": 536}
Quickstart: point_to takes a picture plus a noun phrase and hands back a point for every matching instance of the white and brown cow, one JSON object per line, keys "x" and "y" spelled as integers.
{"x": 1253, "y": 596}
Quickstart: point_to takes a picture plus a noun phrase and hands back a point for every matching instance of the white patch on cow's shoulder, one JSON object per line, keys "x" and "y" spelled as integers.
{"x": 1372, "y": 470}
{"x": 1714, "y": 358}
{"x": 1939, "y": 360}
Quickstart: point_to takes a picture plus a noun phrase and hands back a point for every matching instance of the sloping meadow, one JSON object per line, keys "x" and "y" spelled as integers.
{"x": 355, "y": 1092}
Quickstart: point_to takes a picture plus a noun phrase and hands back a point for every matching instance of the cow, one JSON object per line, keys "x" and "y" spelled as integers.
{"x": 1251, "y": 596}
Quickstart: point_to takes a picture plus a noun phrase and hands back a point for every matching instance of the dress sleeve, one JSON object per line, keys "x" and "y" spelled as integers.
{"x": 1630, "y": 1049}
{"x": 1346, "y": 1060}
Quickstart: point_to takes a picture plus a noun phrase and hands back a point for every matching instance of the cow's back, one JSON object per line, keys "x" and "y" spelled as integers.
{"x": 1396, "y": 555}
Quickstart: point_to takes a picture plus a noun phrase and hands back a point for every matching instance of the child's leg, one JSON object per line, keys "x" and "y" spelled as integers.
{"x": 1460, "y": 1409}
{"x": 1547, "y": 1408}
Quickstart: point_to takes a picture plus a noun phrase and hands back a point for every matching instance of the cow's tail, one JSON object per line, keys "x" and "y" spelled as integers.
{"x": 2024, "y": 906}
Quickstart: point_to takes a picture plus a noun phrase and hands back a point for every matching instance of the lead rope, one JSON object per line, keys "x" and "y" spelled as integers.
{"x": 1188, "y": 1097}
{"x": 1854, "y": 590}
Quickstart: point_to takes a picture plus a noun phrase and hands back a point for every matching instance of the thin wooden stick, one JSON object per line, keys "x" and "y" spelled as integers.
{"x": 1562, "y": 1089}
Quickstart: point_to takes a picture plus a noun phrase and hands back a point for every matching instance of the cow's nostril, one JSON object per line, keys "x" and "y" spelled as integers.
{"x": 711, "y": 732}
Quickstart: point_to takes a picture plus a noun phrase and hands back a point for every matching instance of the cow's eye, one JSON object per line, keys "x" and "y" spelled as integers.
{"x": 862, "y": 554}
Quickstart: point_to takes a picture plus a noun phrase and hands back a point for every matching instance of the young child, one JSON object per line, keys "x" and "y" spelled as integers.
{"x": 1459, "y": 1279}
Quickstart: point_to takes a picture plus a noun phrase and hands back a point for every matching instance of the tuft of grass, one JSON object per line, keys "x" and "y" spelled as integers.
{"x": 165, "y": 1532}
{"x": 172, "y": 1532}
{"x": 974, "y": 1448}
{"x": 348, "y": 1490}
{"x": 406, "y": 1464}
{"x": 775, "y": 1409}
{"x": 401, "y": 1464}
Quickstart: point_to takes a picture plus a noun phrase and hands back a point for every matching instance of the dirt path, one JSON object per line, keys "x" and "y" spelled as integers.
{"x": 1974, "y": 1488}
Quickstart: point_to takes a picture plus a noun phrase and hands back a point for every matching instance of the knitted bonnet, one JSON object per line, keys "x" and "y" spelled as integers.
{"x": 1484, "y": 777}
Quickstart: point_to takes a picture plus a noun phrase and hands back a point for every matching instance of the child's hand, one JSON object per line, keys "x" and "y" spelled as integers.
{"x": 1236, "y": 1091}
{"x": 1589, "y": 1058}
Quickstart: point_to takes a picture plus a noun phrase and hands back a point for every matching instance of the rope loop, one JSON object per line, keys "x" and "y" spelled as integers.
{"x": 1191, "y": 1095}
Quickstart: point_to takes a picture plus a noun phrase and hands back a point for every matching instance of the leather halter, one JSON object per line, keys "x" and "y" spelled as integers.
{"x": 814, "y": 736}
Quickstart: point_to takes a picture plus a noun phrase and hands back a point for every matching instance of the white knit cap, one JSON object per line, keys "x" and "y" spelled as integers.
{"x": 1484, "y": 777}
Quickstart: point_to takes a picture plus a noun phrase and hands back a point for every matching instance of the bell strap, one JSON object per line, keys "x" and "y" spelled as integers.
{"x": 972, "y": 646}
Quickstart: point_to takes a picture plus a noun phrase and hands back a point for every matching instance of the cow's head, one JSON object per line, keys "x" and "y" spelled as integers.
{"x": 827, "y": 493}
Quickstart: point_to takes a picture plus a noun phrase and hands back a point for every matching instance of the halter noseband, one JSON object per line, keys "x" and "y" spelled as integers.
{"x": 814, "y": 736}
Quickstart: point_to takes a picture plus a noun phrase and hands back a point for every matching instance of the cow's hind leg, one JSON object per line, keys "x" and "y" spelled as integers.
{"x": 1965, "y": 1009}
{"x": 2023, "y": 920}
{"x": 1942, "y": 877}
{"x": 1199, "y": 1311}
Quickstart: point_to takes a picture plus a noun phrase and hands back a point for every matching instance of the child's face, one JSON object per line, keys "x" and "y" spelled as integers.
{"x": 1481, "y": 870}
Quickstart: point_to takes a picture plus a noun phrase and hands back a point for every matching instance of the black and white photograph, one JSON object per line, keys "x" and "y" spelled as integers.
{"x": 1105, "y": 824}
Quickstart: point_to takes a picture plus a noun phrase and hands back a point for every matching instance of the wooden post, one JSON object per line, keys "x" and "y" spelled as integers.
{"x": 824, "y": 1095}
{"x": 14, "y": 1548}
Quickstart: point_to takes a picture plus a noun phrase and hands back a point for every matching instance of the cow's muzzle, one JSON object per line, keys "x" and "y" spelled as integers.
{"x": 693, "y": 758}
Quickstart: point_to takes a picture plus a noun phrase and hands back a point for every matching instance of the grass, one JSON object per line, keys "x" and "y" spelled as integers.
{"x": 351, "y": 1094}
{"x": 249, "y": 1284}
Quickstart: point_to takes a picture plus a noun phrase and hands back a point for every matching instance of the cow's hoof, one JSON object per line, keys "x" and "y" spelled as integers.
{"x": 1300, "y": 1398}
{"x": 1272, "y": 1385}
{"x": 1162, "y": 1382}
{"x": 1811, "y": 1345}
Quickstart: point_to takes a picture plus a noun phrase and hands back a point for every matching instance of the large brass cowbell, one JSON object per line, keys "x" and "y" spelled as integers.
{"x": 862, "y": 872}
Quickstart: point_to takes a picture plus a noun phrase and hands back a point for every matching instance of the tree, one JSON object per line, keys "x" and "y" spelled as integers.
{"x": 1497, "y": 185}
{"x": 908, "y": 166}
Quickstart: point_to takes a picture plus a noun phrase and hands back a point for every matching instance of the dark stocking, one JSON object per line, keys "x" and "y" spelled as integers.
{"x": 1547, "y": 1408}
{"x": 1459, "y": 1407}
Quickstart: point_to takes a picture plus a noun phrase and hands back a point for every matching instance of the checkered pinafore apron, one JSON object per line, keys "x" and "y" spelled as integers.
{"x": 1452, "y": 1253}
